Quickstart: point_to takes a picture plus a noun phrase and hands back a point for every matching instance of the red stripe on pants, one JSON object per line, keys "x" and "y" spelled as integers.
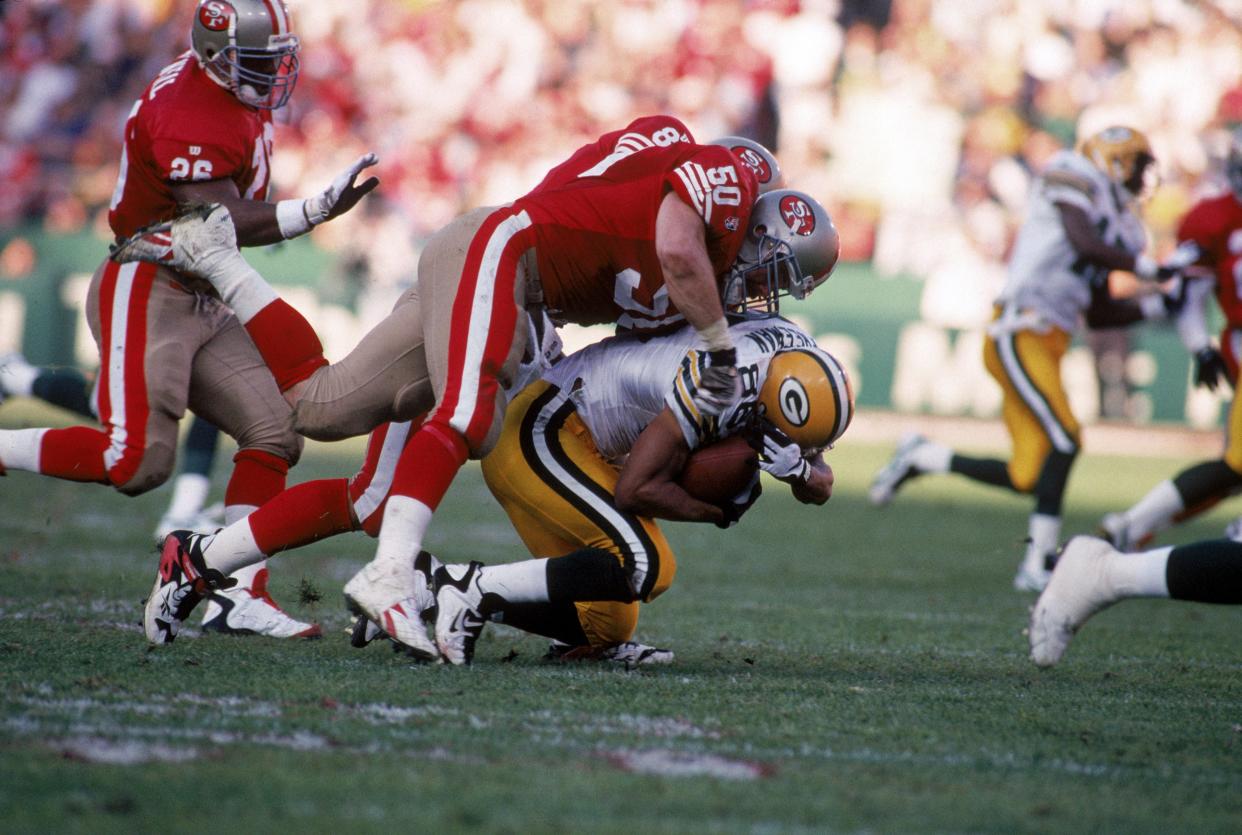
{"x": 123, "y": 355}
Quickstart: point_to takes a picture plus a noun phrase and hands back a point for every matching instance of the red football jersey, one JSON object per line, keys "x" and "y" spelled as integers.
{"x": 185, "y": 127}
{"x": 595, "y": 230}
{"x": 1215, "y": 226}
{"x": 644, "y": 132}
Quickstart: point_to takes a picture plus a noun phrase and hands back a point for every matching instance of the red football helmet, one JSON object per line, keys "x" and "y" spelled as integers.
{"x": 248, "y": 47}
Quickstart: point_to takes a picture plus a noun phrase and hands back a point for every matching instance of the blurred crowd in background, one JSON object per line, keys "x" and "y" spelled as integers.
{"x": 918, "y": 123}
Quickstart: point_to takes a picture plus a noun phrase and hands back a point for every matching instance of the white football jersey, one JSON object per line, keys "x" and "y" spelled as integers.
{"x": 1046, "y": 274}
{"x": 620, "y": 384}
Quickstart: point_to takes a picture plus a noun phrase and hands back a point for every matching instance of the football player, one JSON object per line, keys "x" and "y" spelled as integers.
{"x": 201, "y": 132}
{"x": 1091, "y": 575}
{"x": 634, "y": 229}
{"x": 625, "y": 383}
{"x": 1210, "y": 239}
{"x": 1080, "y": 225}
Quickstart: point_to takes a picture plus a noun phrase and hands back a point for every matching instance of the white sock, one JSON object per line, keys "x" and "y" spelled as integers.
{"x": 1154, "y": 512}
{"x": 237, "y": 512}
{"x": 246, "y": 574}
{"x": 239, "y": 284}
{"x": 1140, "y": 575}
{"x": 1045, "y": 534}
{"x": 20, "y": 448}
{"x": 931, "y": 457}
{"x": 401, "y": 534}
{"x": 232, "y": 549}
{"x": 189, "y": 496}
{"x": 17, "y": 377}
{"x": 516, "y": 582}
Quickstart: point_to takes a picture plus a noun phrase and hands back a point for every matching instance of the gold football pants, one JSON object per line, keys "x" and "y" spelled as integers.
{"x": 1036, "y": 410}
{"x": 558, "y": 491}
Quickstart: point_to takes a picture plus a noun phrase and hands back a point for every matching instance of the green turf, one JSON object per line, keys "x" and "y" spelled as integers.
{"x": 838, "y": 669}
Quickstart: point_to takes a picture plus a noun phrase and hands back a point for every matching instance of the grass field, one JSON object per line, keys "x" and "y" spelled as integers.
{"x": 838, "y": 669}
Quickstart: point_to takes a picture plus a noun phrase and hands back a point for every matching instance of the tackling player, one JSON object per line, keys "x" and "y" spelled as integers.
{"x": 1080, "y": 225}
{"x": 1091, "y": 575}
{"x": 1210, "y": 238}
{"x": 201, "y": 131}
{"x": 631, "y": 375}
{"x": 634, "y": 228}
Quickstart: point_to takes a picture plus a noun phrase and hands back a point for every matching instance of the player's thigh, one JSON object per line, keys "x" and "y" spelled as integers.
{"x": 233, "y": 388}
{"x": 1035, "y": 408}
{"x": 381, "y": 380}
{"x": 547, "y": 474}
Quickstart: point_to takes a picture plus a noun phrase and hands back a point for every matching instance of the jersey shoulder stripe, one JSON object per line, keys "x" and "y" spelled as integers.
{"x": 694, "y": 178}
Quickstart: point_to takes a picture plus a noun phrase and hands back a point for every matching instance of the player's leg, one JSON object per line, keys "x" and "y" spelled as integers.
{"x": 186, "y": 509}
{"x": 67, "y": 388}
{"x": 1091, "y": 575}
{"x": 558, "y": 491}
{"x": 1045, "y": 437}
{"x": 147, "y": 332}
{"x": 470, "y": 278}
{"x": 233, "y": 389}
{"x": 383, "y": 379}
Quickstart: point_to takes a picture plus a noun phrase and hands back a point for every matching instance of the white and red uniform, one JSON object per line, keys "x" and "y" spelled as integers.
{"x": 164, "y": 348}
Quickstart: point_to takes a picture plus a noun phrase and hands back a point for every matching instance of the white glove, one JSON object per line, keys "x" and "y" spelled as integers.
{"x": 297, "y": 217}
{"x": 781, "y": 456}
{"x": 719, "y": 385}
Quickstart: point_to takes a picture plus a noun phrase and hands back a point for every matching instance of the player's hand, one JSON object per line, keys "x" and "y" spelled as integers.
{"x": 1210, "y": 368}
{"x": 719, "y": 386}
{"x": 741, "y": 503}
{"x": 781, "y": 457}
{"x": 343, "y": 194}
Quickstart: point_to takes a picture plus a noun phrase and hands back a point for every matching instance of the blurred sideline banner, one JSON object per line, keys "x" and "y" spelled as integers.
{"x": 897, "y": 360}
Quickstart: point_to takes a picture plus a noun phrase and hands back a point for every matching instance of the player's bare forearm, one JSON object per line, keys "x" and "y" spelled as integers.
{"x": 647, "y": 485}
{"x": 818, "y": 488}
{"x": 254, "y": 220}
{"x": 1088, "y": 243}
{"x": 682, "y": 249}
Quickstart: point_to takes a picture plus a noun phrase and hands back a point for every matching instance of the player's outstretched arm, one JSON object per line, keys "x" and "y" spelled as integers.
{"x": 817, "y": 489}
{"x": 259, "y": 223}
{"x": 647, "y": 485}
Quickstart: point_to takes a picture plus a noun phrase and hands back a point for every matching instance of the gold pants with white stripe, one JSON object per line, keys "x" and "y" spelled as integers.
{"x": 558, "y": 491}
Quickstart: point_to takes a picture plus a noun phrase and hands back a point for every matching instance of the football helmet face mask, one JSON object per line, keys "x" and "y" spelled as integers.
{"x": 790, "y": 249}
{"x": 1233, "y": 164}
{"x": 247, "y": 47}
{"x": 808, "y": 396}
{"x": 757, "y": 158}
{"x": 1125, "y": 157}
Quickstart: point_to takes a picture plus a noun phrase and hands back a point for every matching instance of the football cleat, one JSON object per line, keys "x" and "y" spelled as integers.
{"x": 1115, "y": 530}
{"x": 252, "y": 611}
{"x": 206, "y": 521}
{"x": 362, "y": 631}
{"x": 395, "y": 599}
{"x": 1035, "y": 571}
{"x": 628, "y": 653}
{"x": 897, "y": 471}
{"x": 16, "y": 375}
{"x": 182, "y": 581}
{"x": 461, "y": 615}
{"x": 1080, "y": 587}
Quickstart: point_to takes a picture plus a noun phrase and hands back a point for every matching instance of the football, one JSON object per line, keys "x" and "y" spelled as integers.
{"x": 718, "y": 472}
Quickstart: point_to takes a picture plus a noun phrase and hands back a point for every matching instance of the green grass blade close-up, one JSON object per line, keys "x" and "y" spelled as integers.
{"x": 844, "y": 668}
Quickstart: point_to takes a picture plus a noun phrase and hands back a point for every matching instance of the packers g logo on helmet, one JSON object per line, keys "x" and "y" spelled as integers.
{"x": 1124, "y": 155}
{"x": 807, "y": 395}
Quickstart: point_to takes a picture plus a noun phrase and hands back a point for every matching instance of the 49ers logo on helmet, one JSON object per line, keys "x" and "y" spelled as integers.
{"x": 754, "y": 162}
{"x": 216, "y": 15}
{"x": 798, "y": 216}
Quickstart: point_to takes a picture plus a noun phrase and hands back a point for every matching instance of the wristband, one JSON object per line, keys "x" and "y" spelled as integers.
{"x": 716, "y": 336}
{"x": 291, "y": 218}
{"x": 1145, "y": 267}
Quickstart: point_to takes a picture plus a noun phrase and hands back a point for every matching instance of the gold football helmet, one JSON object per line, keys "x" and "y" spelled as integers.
{"x": 808, "y": 396}
{"x": 1124, "y": 155}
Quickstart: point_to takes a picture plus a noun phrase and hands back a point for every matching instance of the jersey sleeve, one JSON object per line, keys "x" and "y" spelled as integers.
{"x": 1060, "y": 183}
{"x": 697, "y": 428}
{"x": 717, "y": 187}
{"x": 1199, "y": 227}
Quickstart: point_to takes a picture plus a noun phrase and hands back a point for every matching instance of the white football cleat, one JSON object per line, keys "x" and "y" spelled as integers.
{"x": 628, "y": 653}
{"x": 195, "y": 242}
{"x": 1079, "y": 588}
{"x": 16, "y": 375}
{"x": 182, "y": 581}
{"x": 252, "y": 611}
{"x": 395, "y": 597}
{"x": 206, "y": 521}
{"x": 897, "y": 471}
{"x": 1116, "y": 530}
{"x": 1031, "y": 578}
{"x": 460, "y": 617}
